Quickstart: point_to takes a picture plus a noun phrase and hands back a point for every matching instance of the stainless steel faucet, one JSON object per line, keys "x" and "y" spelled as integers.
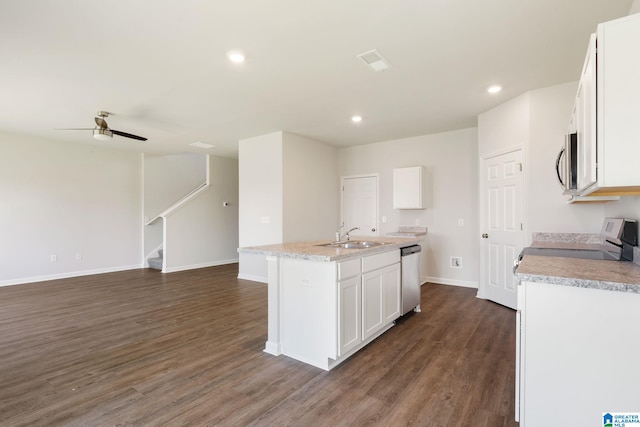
{"x": 339, "y": 236}
{"x": 347, "y": 233}
{"x": 338, "y": 232}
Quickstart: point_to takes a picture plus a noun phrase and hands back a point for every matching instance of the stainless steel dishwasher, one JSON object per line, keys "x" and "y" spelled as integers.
{"x": 410, "y": 259}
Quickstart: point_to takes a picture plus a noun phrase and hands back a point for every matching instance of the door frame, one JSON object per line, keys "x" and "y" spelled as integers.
{"x": 483, "y": 208}
{"x": 366, "y": 175}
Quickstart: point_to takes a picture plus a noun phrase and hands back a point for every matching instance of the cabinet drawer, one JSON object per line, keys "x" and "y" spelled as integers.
{"x": 374, "y": 262}
{"x": 348, "y": 268}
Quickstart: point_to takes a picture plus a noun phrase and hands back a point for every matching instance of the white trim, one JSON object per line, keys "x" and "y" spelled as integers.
{"x": 253, "y": 278}
{"x": 452, "y": 282}
{"x": 201, "y": 265}
{"x": 164, "y": 243}
{"x": 504, "y": 151}
{"x": 69, "y": 275}
{"x": 142, "y": 228}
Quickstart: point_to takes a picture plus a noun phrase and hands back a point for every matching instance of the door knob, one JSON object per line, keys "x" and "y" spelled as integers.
{"x": 485, "y": 236}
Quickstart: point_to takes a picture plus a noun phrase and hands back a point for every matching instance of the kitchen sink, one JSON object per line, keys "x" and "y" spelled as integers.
{"x": 353, "y": 244}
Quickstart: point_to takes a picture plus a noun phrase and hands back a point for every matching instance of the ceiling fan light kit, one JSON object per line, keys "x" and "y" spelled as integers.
{"x": 102, "y": 134}
{"x": 102, "y": 131}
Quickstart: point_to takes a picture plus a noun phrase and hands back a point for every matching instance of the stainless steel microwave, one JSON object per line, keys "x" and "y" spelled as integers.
{"x": 567, "y": 165}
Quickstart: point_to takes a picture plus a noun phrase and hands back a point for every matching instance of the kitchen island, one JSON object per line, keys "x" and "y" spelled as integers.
{"x": 325, "y": 303}
{"x": 577, "y": 340}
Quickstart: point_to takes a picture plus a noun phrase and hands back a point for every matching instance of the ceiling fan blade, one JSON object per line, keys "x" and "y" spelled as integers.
{"x": 102, "y": 123}
{"x": 128, "y": 135}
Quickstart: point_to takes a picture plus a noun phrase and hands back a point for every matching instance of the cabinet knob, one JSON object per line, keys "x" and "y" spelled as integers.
{"x": 373, "y": 229}
{"x": 485, "y": 236}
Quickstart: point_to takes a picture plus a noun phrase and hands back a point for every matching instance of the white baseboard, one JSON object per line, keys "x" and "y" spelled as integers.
{"x": 272, "y": 348}
{"x": 68, "y": 275}
{"x": 201, "y": 265}
{"x": 443, "y": 281}
{"x": 253, "y": 278}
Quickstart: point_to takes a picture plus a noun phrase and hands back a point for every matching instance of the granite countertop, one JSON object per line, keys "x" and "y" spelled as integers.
{"x": 409, "y": 231}
{"x": 311, "y": 250}
{"x": 622, "y": 276}
{"x": 566, "y": 245}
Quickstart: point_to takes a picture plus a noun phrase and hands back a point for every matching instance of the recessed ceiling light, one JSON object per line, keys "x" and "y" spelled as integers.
{"x": 494, "y": 89}
{"x": 201, "y": 144}
{"x": 236, "y": 56}
{"x": 356, "y": 119}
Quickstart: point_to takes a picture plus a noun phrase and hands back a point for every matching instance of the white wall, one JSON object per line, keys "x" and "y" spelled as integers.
{"x": 67, "y": 199}
{"x": 546, "y": 209}
{"x": 169, "y": 178}
{"x": 288, "y": 192}
{"x": 260, "y": 181}
{"x": 451, "y": 162}
{"x": 503, "y": 127}
{"x": 538, "y": 121}
{"x": 311, "y": 184}
{"x": 204, "y": 233}
{"x": 635, "y": 7}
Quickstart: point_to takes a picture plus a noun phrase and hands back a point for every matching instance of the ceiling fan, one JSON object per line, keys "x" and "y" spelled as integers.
{"x": 102, "y": 131}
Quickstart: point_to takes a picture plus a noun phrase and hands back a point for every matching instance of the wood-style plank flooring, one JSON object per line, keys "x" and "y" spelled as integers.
{"x": 145, "y": 348}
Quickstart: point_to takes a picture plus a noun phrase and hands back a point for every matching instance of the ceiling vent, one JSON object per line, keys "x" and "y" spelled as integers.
{"x": 201, "y": 144}
{"x": 374, "y": 60}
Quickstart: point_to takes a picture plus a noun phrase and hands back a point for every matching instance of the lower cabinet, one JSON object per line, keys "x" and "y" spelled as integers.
{"x": 577, "y": 354}
{"x": 380, "y": 299}
{"x": 349, "y": 316}
{"x": 321, "y": 313}
{"x": 369, "y": 298}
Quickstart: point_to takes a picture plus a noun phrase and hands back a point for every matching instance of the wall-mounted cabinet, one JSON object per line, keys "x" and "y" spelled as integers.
{"x": 605, "y": 115}
{"x": 408, "y": 188}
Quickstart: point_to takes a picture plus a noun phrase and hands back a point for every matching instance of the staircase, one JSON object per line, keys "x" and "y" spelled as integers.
{"x": 157, "y": 262}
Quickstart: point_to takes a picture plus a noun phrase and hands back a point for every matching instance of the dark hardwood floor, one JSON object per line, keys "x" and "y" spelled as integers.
{"x": 144, "y": 348}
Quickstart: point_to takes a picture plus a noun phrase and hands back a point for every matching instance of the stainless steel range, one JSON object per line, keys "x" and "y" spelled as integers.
{"x": 619, "y": 236}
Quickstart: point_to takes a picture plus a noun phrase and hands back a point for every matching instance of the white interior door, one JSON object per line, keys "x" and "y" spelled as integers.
{"x": 502, "y": 235}
{"x": 360, "y": 204}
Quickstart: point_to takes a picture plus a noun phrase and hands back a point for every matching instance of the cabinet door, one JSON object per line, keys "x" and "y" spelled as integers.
{"x": 392, "y": 304}
{"x": 618, "y": 106}
{"x": 371, "y": 303}
{"x": 585, "y": 116}
{"x": 380, "y": 299}
{"x": 349, "y": 327}
{"x": 407, "y": 188}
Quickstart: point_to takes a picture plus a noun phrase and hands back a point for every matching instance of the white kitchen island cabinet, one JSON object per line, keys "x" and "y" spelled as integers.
{"x": 325, "y": 304}
{"x": 577, "y": 341}
{"x": 380, "y": 292}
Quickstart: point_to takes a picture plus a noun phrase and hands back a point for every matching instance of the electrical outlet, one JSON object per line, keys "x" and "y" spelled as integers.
{"x": 384, "y": 219}
{"x": 417, "y": 221}
{"x": 78, "y": 256}
{"x": 54, "y": 258}
{"x": 460, "y": 222}
{"x": 456, "y": 262}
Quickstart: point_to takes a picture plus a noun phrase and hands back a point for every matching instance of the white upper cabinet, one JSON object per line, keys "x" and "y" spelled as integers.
{"x": 616, "y": 115}
{"x": 408, "y": 188}
{"x": 584, "y": 120}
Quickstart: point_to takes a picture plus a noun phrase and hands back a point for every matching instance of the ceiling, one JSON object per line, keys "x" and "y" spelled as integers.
{"x": 160, "y": 66}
